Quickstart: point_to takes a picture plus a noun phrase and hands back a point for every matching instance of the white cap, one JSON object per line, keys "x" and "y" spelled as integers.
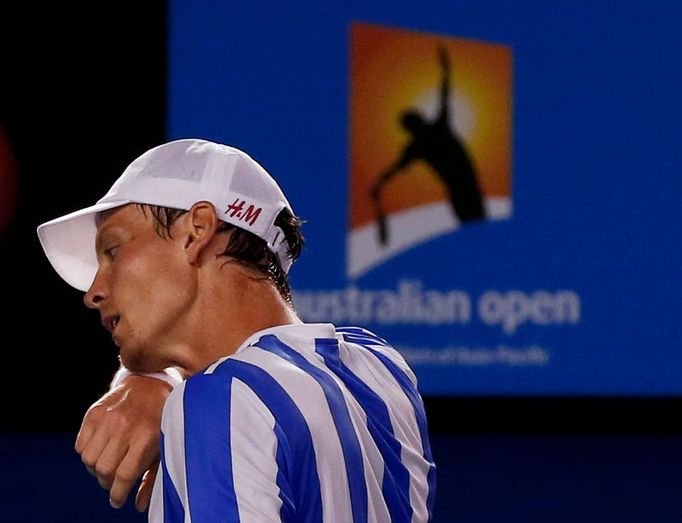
{"x": 176, "y": 174}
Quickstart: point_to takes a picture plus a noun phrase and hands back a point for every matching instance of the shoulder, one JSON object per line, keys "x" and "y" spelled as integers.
{"x": 224, "y": 392}
{"x": 369, "y": 340}
{"x": 258, "y": 373}
{"x": 248, "y": 369}
{"x": 379, "y": 348}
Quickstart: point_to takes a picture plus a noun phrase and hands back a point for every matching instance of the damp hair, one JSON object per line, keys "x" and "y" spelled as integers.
{"x": 244, "y": 247}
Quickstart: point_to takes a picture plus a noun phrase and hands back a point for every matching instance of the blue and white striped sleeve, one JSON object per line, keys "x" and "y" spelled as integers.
{"x": 218, "y": 456}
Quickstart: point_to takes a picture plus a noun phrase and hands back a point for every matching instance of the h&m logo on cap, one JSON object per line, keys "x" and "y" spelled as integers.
{"x": 248, "y": 215}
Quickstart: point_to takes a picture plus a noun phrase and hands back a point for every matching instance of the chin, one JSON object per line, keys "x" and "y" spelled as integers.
{"x": 137, "y": 362}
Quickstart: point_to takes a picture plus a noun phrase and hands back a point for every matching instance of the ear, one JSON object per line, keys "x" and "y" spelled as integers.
{"x": 200, "y": 228}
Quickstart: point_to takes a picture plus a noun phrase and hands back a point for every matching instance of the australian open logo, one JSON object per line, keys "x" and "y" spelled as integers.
{"x": 431, "y": 156}
{"x": 431, "y": 120}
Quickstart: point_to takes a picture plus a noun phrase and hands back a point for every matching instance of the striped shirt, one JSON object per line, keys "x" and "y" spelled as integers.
{"x": 303, "y": 423}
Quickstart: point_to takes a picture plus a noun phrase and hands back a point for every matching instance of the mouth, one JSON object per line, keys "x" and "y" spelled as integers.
{"x": 110, "y": 322}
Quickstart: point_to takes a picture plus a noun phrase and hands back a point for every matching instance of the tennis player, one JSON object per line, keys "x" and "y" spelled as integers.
{"x": 268, "y": 418}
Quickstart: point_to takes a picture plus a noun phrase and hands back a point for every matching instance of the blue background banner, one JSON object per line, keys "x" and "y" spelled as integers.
{"x": 576, "y": 291}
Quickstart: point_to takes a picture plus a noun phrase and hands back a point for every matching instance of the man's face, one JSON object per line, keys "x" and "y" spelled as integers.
{"x": 142, "y": 288}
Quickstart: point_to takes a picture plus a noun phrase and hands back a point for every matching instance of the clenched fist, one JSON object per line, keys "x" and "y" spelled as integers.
{"x": 119, "y": 438}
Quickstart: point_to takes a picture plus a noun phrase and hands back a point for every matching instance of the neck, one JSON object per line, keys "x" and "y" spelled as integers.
{"x": 227, "y": 311}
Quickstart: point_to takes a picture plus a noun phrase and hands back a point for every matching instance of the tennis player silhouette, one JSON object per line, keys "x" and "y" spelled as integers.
{"x": 436, "y": 143}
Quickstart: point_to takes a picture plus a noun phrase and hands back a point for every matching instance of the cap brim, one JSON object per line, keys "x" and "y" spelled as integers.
{"x": 69, "y": 243}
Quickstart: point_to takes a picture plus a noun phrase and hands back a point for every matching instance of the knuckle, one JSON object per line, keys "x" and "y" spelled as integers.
{"x": 104, "y": 483}
{"x": 125, "y": 475}
{"x": 148, "y": 437}
{"x": 88, "y": 460}
{"x": 104, "y": 471}
{"x": 123, "y": 423}
{"x": 94, "y": 413}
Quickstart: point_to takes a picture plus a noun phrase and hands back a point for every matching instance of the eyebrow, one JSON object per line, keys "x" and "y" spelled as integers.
{"x": 99, "y": 242}
{"x": 102, "y": 236}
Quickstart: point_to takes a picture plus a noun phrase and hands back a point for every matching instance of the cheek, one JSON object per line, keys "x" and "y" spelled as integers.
{"x": 152, "y": 282}
{"x": 155, "y": 300}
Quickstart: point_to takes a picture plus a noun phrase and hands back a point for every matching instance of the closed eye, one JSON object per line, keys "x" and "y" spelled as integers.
{"x": 110, "y": 251}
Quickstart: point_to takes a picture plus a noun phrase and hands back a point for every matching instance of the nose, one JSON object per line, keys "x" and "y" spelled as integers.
{"x": 96, "y": 294}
